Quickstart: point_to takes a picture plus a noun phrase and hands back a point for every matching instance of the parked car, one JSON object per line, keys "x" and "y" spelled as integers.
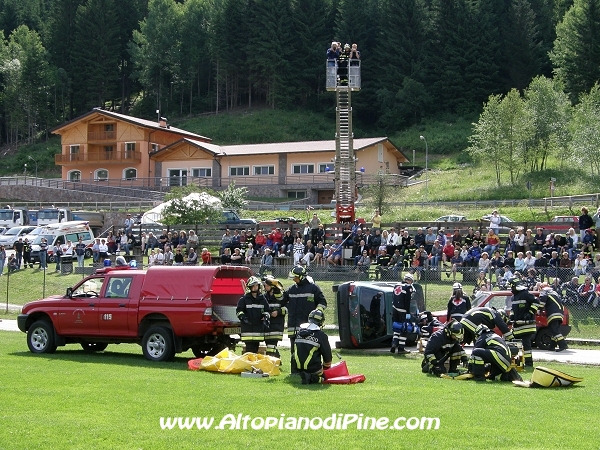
{"x": 451, "y": 218}
{"x": 503, "y": 300}
{"x": 561, "y": 224}
{"x": 365, "y": 313}
{"x": 167, "y": 310}
{"x": 12, "y": 235}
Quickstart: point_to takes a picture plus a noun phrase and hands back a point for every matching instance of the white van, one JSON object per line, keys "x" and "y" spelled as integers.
{"x": 60, "y": 233}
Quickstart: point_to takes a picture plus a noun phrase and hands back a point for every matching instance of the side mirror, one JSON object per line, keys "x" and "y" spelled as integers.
{"x": 70, "y": 292}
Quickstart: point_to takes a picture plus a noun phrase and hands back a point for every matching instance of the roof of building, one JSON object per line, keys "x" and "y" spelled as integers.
{"x": 133, "y": 120}
{"x": 279, "y": 147}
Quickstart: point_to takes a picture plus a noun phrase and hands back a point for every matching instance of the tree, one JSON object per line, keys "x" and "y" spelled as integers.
{"x": 549, "y": 110}
{"x": 379, "y": 192}
{"x": 500, "y": 135}
{"x": 97, "y": 53}
{"x": 234, "y": 198}
{"x": 155, "y": 48}
{"x": 576, "y": 50}
{"x": 186, "y": 206}
{"x": 585, "y": 131}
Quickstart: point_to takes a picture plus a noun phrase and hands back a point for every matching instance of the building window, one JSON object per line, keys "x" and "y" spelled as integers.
{"x": 296, "y": 194}
{"x": 379, "y": 152}
{"x": 202, "y": 172}
{"x": 239, "y": 171}
{"x": 109, "y": 127}
{"x": 130, "y": 174}
{"x": 154, "y": 147}
{"x": 323, "y": 167}
{"x": 303, "y": 168}
{"x": 74, "y": 152}
{"x": 129, "y": 150}
{"x": 177, "y": 177}
{"x": 264, "y": 170}
{"x": 74, "y": 175}
{"x": 108, "y": 152}
{"x": 101, "y": 175}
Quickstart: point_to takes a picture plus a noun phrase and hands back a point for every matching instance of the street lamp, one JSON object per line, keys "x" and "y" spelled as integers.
{"x": 36, "y": 167}
{"x": 426, "y": 159}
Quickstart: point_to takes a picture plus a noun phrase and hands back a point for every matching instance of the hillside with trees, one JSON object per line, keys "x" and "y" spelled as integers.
{"x": 422, "y": 60}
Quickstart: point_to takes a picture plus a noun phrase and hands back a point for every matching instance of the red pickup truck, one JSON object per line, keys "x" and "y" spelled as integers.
{"x": 166, "y": 310}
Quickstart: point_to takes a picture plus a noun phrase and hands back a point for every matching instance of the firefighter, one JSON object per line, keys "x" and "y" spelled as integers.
{"x": 274, "y": 295}
{"x": 401, "y": 313}
{"x": 458, "y": 304}
{"x": 490, "y": 317}
{"x": 524, "y": 308}
{"x": 428, "y": 324}
{"x": 312, "y": 352}
{"x": 253, "y": 311}
{"x": 550, "y": 300}
{"x": 491, "y": 357}
{"x": 300, "y": 299}
{"x": 444, "y": 344}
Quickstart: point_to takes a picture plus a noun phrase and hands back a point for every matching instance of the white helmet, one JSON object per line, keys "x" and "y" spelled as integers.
{"x": 457, "y": 285}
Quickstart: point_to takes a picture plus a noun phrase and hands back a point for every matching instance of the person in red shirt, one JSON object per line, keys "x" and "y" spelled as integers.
{"x": 206, "y": 257}
{"x": 277, "y": 238}
{"x": 259, "y": 241}
{"x": 448, "y": 252}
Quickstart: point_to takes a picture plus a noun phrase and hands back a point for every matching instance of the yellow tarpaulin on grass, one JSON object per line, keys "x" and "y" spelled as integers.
{"x": 228, "y": 362}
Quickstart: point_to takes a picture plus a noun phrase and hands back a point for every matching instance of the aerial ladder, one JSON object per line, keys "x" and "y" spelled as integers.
{"x": 344, "y": 82}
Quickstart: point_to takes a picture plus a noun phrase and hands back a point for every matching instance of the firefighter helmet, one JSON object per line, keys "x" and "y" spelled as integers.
{"x": 254, "y": 281}
{"x": 457, "y": 285}
{"x": 270, "y": 280}
{"x": 317, "y": 317}
{"x": 481, "y": 329}
{"x": 408, "y": 276}
{"x": 516, "y": 284}
{"x": 455, "y": 330}
{"x": 298, "y": 271}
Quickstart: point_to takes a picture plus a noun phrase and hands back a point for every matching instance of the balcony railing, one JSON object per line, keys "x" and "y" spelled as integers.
{"x": 102, "y": 136}
{"x": 104, "y": 156}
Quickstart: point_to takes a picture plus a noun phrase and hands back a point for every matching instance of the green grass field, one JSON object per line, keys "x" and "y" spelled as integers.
{"x": 115, "y": 399}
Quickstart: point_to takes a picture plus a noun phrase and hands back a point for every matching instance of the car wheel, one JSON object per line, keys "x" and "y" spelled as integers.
{"x": 88, "y": 253}
{"x": 51, "y": 259}
{"x": 93, "y": 346}
{"x": 40, "y": 337}
{"x": 543, "y": 340}
{"x": 158, "y": 344}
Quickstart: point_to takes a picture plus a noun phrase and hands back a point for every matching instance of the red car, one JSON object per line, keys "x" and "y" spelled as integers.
{"x": 503, "y": 300}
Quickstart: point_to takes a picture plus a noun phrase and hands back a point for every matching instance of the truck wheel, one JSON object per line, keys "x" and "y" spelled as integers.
{"x": 93, "y": 346}
{"x": 40, "y": 337}
{"x": 158, "y": 344}
{"x": 51, "y": 259}
{"x": 88, "y": 253}
{"x": 543, "y": 340}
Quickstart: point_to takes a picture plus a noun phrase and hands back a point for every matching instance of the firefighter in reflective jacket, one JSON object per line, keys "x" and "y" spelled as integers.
{"x": 458, "y": 304}
{"x": 274, "y": 295}
{"x": 491, "y": 357}
{"x": 312, "y": 352}
{"x": 443, "y": 345}
{"x": 300, "y": 299}
{"x": 524, "y": 308}
{"x": 253, "y": 312}
{"x": 401, "y": 317}
{"x": 550, "y": 300}
{"x": 489, "y": 317}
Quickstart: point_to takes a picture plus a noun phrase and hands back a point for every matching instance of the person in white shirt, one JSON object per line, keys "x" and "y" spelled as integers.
{"x": 529, "y": 261}
{"x": 495, "y": 221}
{"x": 580, "y": 265}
